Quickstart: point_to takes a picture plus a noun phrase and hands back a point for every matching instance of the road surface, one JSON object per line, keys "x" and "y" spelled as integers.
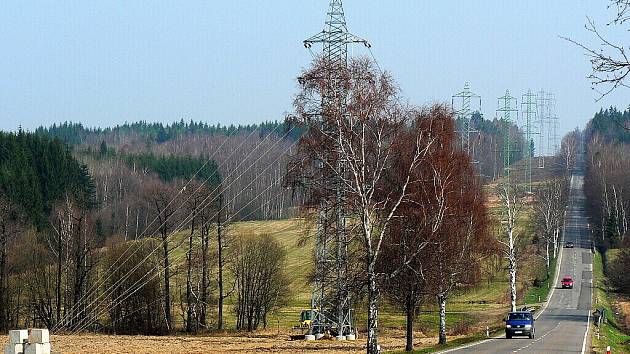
{"x": 562, "y": 326}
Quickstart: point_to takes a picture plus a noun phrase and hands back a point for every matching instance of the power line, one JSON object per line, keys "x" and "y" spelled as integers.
{"x": 110, "y": 272}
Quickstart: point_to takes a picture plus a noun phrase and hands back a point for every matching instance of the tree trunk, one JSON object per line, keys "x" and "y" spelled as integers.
{"x": 512, "y": 270}
{"x": 441, "y": 298}
{"x": 204, "y": 275}
{"x": 372, "y": 327}
{"x": 547, "y": 256}
{"x": 220, "y": 254}
{"x": 4, "y": 303}
{"x": 59, "y": 264}
{"x": 189, "y": 300}
{"x": 411, "y": 313}
{"x": 167, "y": 285}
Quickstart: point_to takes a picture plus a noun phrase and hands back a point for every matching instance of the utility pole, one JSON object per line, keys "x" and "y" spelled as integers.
{"x": 528, "y": 109}
{"x": 330, "y": 298}
{"x": 506, "y": 106}
{"x": 464, "y": 111}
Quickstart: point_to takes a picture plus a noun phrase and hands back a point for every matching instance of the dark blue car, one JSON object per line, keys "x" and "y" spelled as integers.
{"x": 520, "y": 323}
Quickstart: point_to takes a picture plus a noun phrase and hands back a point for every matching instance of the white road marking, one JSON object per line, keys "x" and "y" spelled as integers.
{"x": 539, "y": 339}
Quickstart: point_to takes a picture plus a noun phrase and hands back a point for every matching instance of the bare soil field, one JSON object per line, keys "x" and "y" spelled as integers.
{"x": 228, "y": 343}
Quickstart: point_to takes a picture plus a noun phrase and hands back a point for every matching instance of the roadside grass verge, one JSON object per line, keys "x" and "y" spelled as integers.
{"x": 538, "y": 294}
{"x": 610, "y": 332}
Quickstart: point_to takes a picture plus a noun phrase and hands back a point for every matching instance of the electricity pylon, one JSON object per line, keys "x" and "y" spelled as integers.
{"x": 541, "y": 109}
{"x": 504, "y": 111}
{"x": 551, "y": 124}
{"x": 528, "y": 109}
{"x": 464, "y": 112}
{"x": 330, "y": 297}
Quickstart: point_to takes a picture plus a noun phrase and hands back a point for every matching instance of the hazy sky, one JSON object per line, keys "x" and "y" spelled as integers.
{"x": 236, "y": 61}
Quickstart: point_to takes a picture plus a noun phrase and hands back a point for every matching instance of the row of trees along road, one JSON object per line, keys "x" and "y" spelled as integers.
{"x": 417, "y": 215}
{"x": 607, "y": 189}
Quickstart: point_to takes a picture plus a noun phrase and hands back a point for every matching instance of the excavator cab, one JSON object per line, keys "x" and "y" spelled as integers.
{"x": 306, "y": 318}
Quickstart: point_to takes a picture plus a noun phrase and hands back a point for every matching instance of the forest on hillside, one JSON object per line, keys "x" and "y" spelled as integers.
{"x": 249, "y": 160}
{"x": 607, "y": 188}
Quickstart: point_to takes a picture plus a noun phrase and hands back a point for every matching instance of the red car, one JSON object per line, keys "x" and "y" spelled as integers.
{"x": 567, "y": 282}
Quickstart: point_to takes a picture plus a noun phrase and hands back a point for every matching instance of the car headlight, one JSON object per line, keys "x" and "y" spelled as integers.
{"x": 528, "y": 326}
{"x": 508, "y": 326}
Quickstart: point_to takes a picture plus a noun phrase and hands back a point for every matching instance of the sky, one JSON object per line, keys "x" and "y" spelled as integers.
{"x": 236, "y": 62}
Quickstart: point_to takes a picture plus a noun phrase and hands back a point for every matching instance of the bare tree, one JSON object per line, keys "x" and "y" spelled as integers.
{"x": 610, "y": 65}
{"x": 10, "y": 221}
{"x": 549, "y": 206}
{"x": 609, "y": 61}
{"x": 569, "y": 148}
{"x": 511, "y": 207}
{"x": 262, "y": 285}
{"x": 159, "y": 197}
{"x": 357, "y": 147}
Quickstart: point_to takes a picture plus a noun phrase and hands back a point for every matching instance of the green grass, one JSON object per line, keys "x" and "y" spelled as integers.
{"x": 483, "y": 305}
{"x": 537, "y": 294}
{"x": 610, "y": 333}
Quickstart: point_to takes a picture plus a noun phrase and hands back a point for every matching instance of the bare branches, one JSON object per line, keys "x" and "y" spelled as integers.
{"x": 610, "y": 64}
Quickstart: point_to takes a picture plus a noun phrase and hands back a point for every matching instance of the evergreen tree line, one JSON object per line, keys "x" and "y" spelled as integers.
{"x": 36, "y": 171}
{"x": 76, "y": 133}
{"x": 487, "y": 144}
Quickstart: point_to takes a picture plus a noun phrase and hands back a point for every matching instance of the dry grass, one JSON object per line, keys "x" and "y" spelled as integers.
{"x": 623, "y": 305}
{"x": 270, "y": 342}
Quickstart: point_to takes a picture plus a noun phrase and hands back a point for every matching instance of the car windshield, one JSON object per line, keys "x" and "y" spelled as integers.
{"x": 567, "y": 279}
{"x": 520, "y": 316}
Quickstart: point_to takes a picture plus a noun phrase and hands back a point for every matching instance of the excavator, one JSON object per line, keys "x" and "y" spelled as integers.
{"x": 306, "y": 319}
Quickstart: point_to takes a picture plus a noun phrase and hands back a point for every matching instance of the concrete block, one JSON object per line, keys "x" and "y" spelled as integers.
{"x": 13, "y": 348}
{"x": 18, "y": 336}
{"x": 319, "y": 336}
{"x": 340, "y": 338}
{"x": 37, "y": 348}
{"x": 38, "y": 336}
{"x": 351, "y": 337}
{"x": 309, "y": 337}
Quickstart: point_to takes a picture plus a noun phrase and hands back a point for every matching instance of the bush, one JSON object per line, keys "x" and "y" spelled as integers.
{"x": 261, "y": 283}
{"x": 134, "y": 309}
{"x": 617, "y": 271}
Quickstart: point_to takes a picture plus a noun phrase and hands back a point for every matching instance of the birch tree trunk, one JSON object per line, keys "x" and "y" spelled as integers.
{"x": 410, "y": 312}
{"x": 441, "y": 299}
{"x": 372, "y": 327}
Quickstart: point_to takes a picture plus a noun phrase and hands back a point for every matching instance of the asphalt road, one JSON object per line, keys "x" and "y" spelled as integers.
{"x": 562, "y": 326}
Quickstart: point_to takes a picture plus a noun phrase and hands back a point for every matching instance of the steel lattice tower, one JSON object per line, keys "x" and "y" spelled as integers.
{"x": 330, "y": 300}
{"x": 528, "y": 109}
{"x": 551, "y": 123}
{"x": 464, "y": 113}
{"x": 541, "y": 109}
{"x": 504, "y": 111}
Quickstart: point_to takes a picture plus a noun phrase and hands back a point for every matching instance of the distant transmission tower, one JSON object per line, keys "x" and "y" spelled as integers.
{"x": 551, "y": 124}
{"x": 528, "y": 113}
{"x": 330, "y": 299}
{"x": 541, "y": 108}
{"x": 506, "y": 106}
{"x": 464, "y": 112}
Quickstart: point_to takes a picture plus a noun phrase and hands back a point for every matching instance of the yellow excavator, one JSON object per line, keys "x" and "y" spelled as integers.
{"x": 306, "y": 319}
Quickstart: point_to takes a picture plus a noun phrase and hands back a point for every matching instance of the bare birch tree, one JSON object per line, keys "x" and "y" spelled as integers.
{"x": 363, "y": 139}
{"x": 511, "y": 206}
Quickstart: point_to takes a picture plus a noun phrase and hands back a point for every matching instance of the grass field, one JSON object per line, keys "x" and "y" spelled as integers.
{"x": 469, "y": 311}
{"x": 611, "y": 333}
